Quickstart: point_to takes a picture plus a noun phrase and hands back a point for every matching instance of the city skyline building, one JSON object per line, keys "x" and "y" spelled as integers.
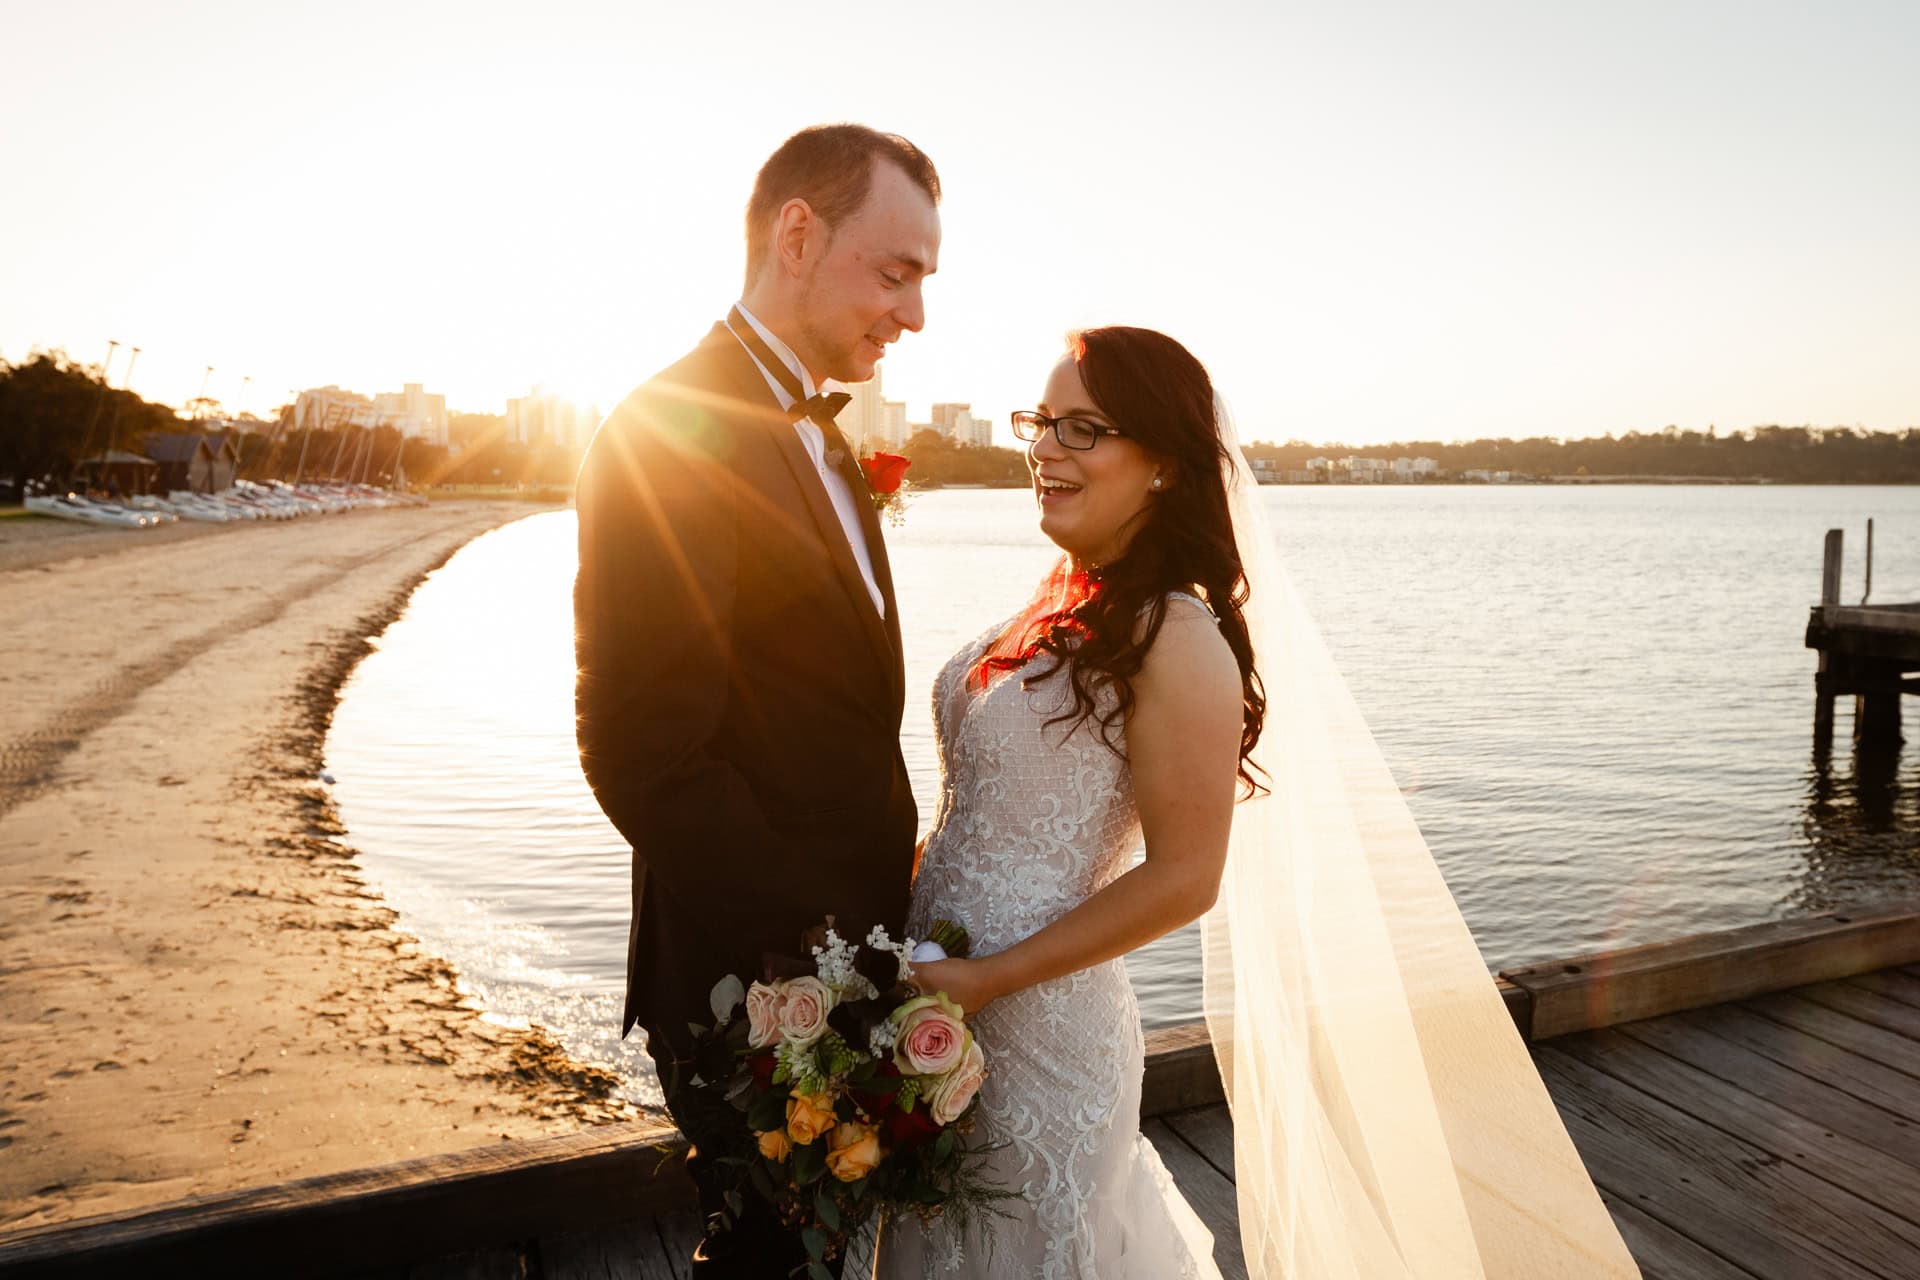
{"x": 973, "y": 432}
{"x": 862, "y": 422}
{"x": 417, "y": 414}
{"x": 329, "y": 407}
{"x": 544, "y": 416}
{"x": 412, "y": 411}
{"x": 956, "y": 422}
{"x": 893, "y": 422}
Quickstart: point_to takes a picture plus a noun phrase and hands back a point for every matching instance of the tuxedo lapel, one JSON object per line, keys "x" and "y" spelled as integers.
{"x": 834, "y": 535}
{"x": 883, "y": 578}
{"x": 753, "y": 390}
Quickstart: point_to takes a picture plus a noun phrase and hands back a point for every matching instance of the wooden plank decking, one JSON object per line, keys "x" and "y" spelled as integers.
{"x": 1777, "y": 1137}
{"x": 1196, "y": 1146}
{"x": 1748, "y": 1104}
{"x": 1773, "y": 1138}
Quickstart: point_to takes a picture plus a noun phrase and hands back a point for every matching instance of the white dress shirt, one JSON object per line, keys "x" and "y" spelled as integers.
{"x": 815, "y": 443}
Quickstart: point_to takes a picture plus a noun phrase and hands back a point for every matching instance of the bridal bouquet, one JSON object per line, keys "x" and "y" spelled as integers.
{"x": 856, "y": 1090}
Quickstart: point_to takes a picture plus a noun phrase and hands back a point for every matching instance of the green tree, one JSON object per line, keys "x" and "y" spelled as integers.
{"x": 939, "y": 461}
{"x": 54, "y": 413}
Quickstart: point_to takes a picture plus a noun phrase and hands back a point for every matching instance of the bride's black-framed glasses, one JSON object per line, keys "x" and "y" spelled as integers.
{"x": 1072, "y": 433}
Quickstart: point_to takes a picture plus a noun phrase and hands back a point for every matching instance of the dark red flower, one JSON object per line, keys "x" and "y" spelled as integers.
{"x": 906, "y": 1129}
{"x": 878, "y": 1103}
{"x": 885, "y": 471}
{"x": 763, "y": 1065}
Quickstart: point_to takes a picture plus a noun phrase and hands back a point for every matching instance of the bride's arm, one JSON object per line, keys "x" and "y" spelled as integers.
{"x": 1183, "y": 746}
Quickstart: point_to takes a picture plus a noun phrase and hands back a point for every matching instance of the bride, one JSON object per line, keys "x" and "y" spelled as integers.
{"x": 1116, "y": 705}
{"x": 1388, "y": 1121}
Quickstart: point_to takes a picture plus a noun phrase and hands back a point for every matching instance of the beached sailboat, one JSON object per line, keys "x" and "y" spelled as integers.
{"x": 73, "y": 507}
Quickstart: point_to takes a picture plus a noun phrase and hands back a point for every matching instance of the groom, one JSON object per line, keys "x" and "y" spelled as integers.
{"x": 740, "y": 679}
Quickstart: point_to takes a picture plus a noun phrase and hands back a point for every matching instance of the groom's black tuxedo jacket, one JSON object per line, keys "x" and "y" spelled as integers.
{"x": 738, "y": 696}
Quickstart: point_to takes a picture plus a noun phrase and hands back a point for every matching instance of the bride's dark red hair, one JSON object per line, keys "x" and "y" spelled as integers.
{"x": 1099, "y": 626}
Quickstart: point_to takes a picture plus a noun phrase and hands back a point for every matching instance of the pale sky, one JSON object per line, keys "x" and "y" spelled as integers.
{"x": 1372, "y": 221}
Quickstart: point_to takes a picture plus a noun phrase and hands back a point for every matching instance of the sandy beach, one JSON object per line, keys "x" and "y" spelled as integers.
{"x": 197, "y": 990}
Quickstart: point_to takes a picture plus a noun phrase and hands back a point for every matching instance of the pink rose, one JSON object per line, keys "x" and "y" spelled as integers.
{"x": 763, "y": 1015}
{"x": 804, "y": 1007}
{"x": 929, "y": 1037}
{"x": 953, "y": 1091}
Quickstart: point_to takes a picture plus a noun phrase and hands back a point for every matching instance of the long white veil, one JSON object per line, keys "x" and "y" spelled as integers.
{"x": 1388, "y": 1121}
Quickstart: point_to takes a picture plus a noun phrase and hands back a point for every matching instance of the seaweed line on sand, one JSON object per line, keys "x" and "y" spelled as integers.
{"x": 528, "y": 1064}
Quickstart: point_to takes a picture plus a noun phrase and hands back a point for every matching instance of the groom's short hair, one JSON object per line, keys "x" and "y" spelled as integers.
{"x": 830, "y": 166}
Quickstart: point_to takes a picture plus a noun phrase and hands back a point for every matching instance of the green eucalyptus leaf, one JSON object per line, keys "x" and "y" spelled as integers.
{"x": 829, "y": 1211}
{"x": 808, "y": 1163}
{"x": 769, "y": 1111}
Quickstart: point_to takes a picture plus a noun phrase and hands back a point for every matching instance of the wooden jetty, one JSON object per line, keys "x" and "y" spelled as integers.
{"x": 1867, "y": 652}
{"x": 1748, "y": 1103}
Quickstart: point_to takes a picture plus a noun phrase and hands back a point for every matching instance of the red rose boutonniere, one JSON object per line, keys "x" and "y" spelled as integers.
{"x": 886, "y": 475}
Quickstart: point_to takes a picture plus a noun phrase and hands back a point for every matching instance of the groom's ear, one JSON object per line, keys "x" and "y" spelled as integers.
{"x": 799, "y": 237}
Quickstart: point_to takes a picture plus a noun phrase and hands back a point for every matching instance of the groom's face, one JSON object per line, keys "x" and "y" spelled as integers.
{"x": 864, "y": 291}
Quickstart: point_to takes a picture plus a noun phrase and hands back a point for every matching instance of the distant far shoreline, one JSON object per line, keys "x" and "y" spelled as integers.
{"x": 1517, "y": 481}
{"x": 1719, "y": 482}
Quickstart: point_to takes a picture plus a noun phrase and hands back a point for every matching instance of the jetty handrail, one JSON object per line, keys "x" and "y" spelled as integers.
{"x": 342, "y": 1223}
{"x": 1584, "y": 993}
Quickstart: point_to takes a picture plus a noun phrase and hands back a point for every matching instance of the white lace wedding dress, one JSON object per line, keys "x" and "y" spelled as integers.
{"x": 1031, "y": 822}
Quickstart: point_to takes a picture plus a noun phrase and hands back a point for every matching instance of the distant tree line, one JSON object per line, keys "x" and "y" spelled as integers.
{"x": 938, "y": 461}
{"x": 1792, "y": 455}
{"x": 1796, "y": 455}
{"x": 56, "y": 413}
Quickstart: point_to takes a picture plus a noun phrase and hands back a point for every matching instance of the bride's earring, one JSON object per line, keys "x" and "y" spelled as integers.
{"x": 1158, "y": 483}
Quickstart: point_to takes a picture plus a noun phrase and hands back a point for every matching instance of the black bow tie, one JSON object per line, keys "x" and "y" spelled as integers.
{"x": 822, "y": 409}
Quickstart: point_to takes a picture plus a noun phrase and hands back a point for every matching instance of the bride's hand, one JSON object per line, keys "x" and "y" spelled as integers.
{"x": 965, "y": 982}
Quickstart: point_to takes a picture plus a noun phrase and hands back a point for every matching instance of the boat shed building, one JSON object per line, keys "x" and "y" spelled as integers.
{"x": 116, "y": 472}
{"x": 198, "y": 463}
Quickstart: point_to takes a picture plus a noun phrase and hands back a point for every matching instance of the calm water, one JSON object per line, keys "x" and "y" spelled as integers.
{"x": 1596, "y": 699}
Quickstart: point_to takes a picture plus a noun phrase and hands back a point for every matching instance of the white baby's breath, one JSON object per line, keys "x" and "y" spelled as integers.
{"x": 902, "y": 950}
{"x": 881, "y": 1038}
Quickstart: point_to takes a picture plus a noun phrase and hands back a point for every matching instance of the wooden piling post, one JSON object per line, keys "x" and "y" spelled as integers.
{"x": 1868, "y": 593}
{"x": 1830, "y": 568}
{"x": 1876, "y": 714}
{"x": 1829, "y": 595}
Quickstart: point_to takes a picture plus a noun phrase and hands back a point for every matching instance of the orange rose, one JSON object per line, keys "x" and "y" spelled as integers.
{"x": 853, "y": 1151}
{"x": 808, "y": 1116}
{"x": 774, "y": 1145}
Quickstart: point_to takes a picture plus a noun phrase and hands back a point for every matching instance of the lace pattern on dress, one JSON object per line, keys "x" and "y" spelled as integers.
{"x": 1032, "y": 820}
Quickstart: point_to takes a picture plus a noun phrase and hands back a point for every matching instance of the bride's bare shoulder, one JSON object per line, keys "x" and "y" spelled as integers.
{"x": 1189, "y": 658}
